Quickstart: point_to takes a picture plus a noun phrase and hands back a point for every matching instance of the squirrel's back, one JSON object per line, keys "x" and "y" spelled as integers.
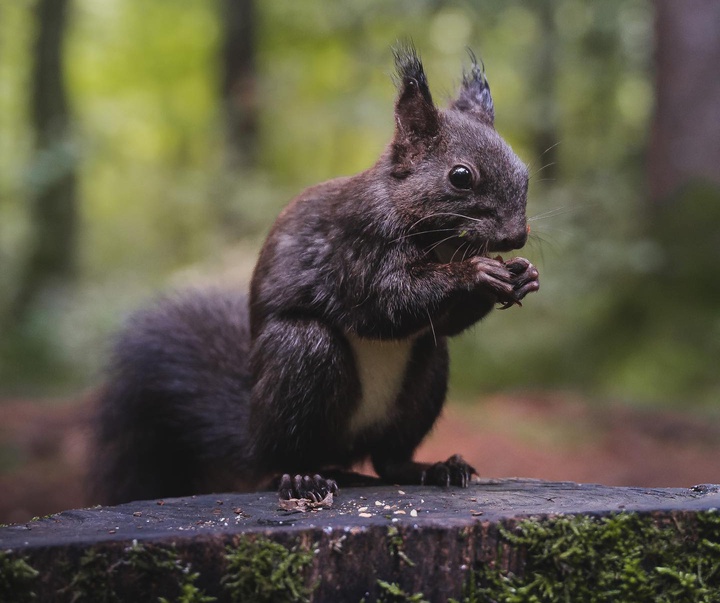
{"x": 176, "y": 400}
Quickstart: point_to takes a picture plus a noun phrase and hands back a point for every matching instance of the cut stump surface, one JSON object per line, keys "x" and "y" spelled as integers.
{"x": 375, "y": 542}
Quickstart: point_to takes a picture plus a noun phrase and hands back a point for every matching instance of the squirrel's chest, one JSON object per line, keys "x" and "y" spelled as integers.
{"x": 381, "y": 368}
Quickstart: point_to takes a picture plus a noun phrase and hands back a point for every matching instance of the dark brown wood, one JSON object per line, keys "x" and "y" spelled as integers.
{"x": 369, "y": 533}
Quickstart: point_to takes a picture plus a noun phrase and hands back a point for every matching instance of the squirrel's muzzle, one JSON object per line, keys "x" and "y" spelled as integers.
{"x": 515, "y": 240}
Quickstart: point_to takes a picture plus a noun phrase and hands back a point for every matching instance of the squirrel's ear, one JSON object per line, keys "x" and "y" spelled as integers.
{"x": 474, "y": 96}
{"x": 417, "y": 120}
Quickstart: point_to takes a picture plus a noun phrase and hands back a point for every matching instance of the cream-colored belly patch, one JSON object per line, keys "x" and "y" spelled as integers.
{"x": 381, "y": 367}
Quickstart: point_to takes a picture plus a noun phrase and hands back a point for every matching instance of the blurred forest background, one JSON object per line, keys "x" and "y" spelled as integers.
{"x": 147, "y": 146}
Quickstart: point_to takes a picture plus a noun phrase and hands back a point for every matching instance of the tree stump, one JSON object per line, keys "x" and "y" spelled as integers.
{"x": 497, "y": 538}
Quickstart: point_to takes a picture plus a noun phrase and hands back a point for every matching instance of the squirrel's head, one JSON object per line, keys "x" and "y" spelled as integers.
{"x": 458, "y": 185}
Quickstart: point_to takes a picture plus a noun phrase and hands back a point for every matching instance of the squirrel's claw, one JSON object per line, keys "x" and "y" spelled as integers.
{"x": 524, "y": 281}
{"x": 452, "y": 472}
{"x": 314, "y": 488}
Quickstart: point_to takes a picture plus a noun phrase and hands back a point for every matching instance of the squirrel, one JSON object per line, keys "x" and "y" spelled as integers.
{"x": 339, "y": 353}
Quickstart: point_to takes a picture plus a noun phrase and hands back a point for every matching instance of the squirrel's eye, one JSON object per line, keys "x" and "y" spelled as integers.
{"x": 460, "y": 177}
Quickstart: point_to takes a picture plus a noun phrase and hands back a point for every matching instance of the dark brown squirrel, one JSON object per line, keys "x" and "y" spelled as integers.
{"x": 340, "y": 353}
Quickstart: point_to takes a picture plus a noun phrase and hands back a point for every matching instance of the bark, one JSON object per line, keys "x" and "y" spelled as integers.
{"x": 414, "y": 539}
{"x": 239, "y": 90}
{"x": 546, "y": 135}
{"x": 685, "y": 131}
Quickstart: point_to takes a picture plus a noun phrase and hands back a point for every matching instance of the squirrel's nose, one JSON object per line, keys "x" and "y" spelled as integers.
{"x": 515, "y": 240}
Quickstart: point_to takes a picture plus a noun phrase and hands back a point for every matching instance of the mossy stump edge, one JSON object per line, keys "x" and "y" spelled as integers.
{"x": 498, "y": 540}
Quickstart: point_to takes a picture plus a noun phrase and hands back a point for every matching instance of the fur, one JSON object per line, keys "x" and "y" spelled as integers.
{"x": 339, "y": 354}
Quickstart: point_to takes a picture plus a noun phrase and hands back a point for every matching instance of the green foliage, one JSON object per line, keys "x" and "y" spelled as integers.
{"x": 17, "y": 578}
{"x": 626, "y": 557}
{"x": 156, "y": 197}
{"x": 667, "y": 319}
{"x": 260, "y": 570}
{"x": 628, "y": 312}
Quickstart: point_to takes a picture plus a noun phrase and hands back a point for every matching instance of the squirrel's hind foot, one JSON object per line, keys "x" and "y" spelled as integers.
{"x": 453, "y": 472}
{"x": 315, "y": 488}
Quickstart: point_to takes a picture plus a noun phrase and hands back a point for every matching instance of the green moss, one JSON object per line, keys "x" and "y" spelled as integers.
{"x": 93, "y": 580}
{"x": 392, "y": 593}
{"x": 626, "y": 557}
{"x": 160, "y": 563}
{"x": 155, "y": 570}
{"x": 259, "y": 569}
{"x": 397, "y": 546}
{"x": 17, "y": 578}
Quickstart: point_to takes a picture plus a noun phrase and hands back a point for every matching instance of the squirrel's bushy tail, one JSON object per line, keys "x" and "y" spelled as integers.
{"x": 176, "y": 399}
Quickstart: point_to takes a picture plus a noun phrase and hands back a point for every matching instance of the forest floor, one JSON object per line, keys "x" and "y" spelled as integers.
{"x": 44, "y": 446}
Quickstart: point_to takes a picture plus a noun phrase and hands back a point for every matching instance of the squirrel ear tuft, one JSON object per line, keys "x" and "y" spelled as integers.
{"x": 474, "y": 96}
{"x": 417, "y": 119}
{"x": 409, "y": 69}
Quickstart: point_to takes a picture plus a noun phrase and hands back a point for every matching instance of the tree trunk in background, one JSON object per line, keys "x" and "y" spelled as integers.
{"x": 239, "y": 83}
{"x": 685, "y": 134}
{"x": 544, "y": 74}
{"x": 52, "y": 181}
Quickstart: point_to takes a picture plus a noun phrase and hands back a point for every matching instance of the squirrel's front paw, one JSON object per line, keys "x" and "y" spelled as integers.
{"x": 453, "y": 472}
{"x": 492, "y": 275}
{"x": 525, "y": 279}
{"x": 314, "y": 488}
